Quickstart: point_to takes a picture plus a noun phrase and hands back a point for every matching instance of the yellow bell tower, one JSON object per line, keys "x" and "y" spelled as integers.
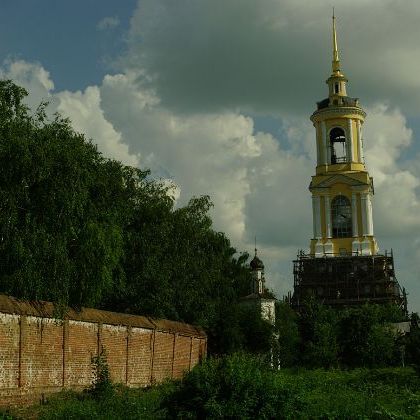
{"x": 343, "y": 267}
{"x": 341, "y": 189}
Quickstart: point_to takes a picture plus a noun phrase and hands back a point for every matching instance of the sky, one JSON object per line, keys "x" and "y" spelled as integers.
{"x": 215, "y": 96}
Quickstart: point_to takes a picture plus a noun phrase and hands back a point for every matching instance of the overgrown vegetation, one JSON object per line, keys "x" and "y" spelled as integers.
{"x": 246, "y": 387}
{"x": 321, "y": 337}
{"x": 102, "y": 386}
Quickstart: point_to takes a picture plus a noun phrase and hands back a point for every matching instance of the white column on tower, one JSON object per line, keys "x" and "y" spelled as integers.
{"x": 369, "y": 215}
{"x": 316, "y": 212}
{"x": 318, "y": 144}
{"x": 350, "y": 157}
{"x": 327, "y": 215}
{"x": 359, "y": 141}
{"x": 324, "y": 147}
{"x": 363, "y": 200}
{"x": 354, "y": 214}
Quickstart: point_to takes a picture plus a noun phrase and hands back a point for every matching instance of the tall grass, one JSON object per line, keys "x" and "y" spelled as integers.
{"x": 245, "y": 387}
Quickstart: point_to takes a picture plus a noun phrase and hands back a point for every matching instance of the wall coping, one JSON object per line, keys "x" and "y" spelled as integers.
{"x": 43, "y": 309}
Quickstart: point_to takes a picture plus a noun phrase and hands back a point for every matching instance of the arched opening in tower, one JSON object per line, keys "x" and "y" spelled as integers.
{"x": 338, "y": 145}
{"x": 341, "y": 217}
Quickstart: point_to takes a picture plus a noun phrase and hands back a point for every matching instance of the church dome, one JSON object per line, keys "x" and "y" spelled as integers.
{"x": 256, "y": 264}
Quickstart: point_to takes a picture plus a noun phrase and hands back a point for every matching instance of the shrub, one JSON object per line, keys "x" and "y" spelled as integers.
{"x": 236, "y": 386}
{"x": 366, "y": 337}
{"x": 101, "y": 386}
{"x": 413, "y": 343}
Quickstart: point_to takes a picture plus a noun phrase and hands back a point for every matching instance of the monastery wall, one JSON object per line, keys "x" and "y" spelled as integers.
{"x": 40, "y": 354}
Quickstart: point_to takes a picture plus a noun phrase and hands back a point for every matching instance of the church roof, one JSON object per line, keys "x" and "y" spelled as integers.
{"x": 256, "y": 263}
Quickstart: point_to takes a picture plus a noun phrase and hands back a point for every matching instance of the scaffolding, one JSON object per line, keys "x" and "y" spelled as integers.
{"x": 347, "y": 280}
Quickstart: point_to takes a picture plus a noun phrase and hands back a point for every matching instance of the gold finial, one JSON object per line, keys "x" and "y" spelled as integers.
{"x": 336, "y": 59}
{"x": 255, "y": 246}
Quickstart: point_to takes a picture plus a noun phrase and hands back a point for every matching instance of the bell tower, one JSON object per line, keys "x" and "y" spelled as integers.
{"x": 343, "y": 267}
{"x": 341, "y": 188}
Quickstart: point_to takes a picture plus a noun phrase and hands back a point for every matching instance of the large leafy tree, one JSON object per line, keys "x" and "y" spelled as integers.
{"x": 79, "y": 229}
{"x": 62, "y": 207}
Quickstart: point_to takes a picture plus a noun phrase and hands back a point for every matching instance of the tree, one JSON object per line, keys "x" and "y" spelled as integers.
{"x": 366, "y": 336}
{"x": 287, "y": 330}
{"x": 319, "y": 328}
{"x": 62, "y": 207}
{"x": 79, "y": 229}
{"x": 413, "y": 343}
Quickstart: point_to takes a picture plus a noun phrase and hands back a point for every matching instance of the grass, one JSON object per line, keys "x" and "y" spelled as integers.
{"x": 389, "y": 393}
{"x": 124, "y": 403}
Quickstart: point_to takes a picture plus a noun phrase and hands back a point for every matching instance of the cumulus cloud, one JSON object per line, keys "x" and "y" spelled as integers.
{"x": 31, "y": 76}
{"x": 204, "y": 154}
{"x": 396, "y": 202}
{"x": 271, "y": 56}
{"x": 84, "y": 110}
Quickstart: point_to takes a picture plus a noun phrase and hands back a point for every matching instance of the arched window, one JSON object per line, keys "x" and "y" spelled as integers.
{"x": 341, "y": 217}
{"x": 338, "y": 145}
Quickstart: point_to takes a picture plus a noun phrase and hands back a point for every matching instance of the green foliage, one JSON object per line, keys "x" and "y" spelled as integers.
{"x": 238, "y": 386}
{"x": 102, "y": 386}
{"x": 366, "y": 336}
{"x": 244, "y": 386}
{"x": 256, "y": 332}
{"x": 318, "y": 327}
{"x": 125, "y": 404}
{"x": 412, "y": 343}
{"x": 287, "y": 331}
{"x": 62, "y": 207}
{"x": 6, "y": 416}
{"x": 320, "y": 336}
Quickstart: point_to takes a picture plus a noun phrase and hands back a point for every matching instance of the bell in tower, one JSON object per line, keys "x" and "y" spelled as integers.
{"x": 343, "y": 266}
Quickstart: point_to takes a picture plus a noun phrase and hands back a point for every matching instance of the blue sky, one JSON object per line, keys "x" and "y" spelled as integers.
{"x": 64, "y": 37}
{"x": 215, "y": 96}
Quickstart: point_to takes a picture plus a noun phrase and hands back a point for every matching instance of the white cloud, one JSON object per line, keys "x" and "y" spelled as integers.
{"x": 83, "y": 108}
{"x": 396, "y": 203}
{"x": 87, "y": 117}
{"x": 31, "y": 76}
{"x": 386, "y": 135}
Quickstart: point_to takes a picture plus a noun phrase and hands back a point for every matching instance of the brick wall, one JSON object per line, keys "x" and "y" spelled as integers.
{"x": 40, "y": 354}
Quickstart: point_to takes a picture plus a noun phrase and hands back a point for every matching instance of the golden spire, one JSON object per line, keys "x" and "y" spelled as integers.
{"x": 336, "y": 59}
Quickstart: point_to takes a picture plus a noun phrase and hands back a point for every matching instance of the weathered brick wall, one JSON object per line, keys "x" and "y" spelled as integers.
{"x": 40, "y": 354}
{"x": 81, "y": 343}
